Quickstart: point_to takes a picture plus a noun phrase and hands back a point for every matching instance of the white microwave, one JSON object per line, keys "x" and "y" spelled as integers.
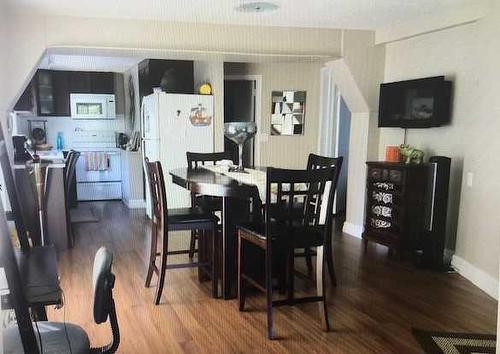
{"x": 92, "y": 106}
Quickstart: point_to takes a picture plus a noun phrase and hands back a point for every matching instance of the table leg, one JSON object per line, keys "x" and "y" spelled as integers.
{"x": 234, "y": 212}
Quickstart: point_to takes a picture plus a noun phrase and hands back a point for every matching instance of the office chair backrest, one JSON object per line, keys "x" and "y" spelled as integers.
{"x": 104, "y": 305}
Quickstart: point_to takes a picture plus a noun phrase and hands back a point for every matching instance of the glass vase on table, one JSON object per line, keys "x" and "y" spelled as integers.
{"x": 239, "y": 133}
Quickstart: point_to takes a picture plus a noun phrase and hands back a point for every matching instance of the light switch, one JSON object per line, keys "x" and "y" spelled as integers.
{"x": 470, "y": 179}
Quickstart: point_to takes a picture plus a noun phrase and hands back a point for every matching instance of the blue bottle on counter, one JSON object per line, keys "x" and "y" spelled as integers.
{"x": 60, "y": 141}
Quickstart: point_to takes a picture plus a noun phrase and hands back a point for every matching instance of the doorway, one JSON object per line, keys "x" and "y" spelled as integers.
{"x": 342, "y": 149}
{"x": 241, "y": 104}
{"x": 334, "y": 135}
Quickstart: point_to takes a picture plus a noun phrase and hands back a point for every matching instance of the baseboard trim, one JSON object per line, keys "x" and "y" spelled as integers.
{"x": 476, "y": 276}
{"x": 135, "y": 203}
{"x": 352, "y": 229}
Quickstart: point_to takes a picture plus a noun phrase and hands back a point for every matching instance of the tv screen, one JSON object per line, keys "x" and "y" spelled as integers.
{"x": 421, "y": 103}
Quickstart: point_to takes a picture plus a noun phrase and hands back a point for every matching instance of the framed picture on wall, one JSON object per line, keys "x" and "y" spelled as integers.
{"x": 288, "y": 112}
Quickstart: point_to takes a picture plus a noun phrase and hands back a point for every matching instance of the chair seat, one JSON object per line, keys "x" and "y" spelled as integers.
{"x": 296, "y": 237}
{"x": 54, "y": 339}
{"x": 186, "y": 218}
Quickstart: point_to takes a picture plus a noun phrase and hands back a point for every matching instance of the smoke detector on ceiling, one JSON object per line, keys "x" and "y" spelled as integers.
{"x": 260, "y": 6}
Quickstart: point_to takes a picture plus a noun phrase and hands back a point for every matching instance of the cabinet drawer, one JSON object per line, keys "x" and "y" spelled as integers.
{"x": 396, "y": 176}
{"x": 383, "y": 197}
{"x": 378, "y": 210}
{"x": 385, "y": 186}
{"x": 383, "y": 224}
{"x": 386, "y": 174}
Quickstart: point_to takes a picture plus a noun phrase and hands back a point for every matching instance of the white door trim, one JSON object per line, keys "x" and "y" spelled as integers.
{"x": 258, "y": 109}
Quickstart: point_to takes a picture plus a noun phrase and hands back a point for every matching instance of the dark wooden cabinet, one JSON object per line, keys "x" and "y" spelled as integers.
{"x": 79, "y": 82}
{"x": 173, "y": 76}
{"x": 26, "y": 102}
{"x": 48, "y": 94}
{"x": 45, "y": 95}
{"x": 395, "y": 204}
{"x": 102, "y": 82}
{"x": 61, "y": 90}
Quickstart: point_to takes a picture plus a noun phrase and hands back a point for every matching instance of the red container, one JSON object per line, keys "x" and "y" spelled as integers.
{"x": 392, "y": 154}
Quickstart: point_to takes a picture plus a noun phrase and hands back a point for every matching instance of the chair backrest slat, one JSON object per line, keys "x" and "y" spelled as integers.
{"x": 316, "y": 161}
{"x": 300, "y": 198}
{"x": 158, "y": 197}
{"x": 197, "y": 159}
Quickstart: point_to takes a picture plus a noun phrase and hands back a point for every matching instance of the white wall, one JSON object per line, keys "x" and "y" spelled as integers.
{"x": 358, "y": 75}
{"x": 286, "y": 151}
{"x": 468, "y": 55}
{"x": 3, "y": 54}
{"x": 212, "y": 72}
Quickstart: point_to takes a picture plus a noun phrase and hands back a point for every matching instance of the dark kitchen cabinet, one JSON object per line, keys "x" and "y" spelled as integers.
{"x": 45, "y": 94}
{"x": 79, "y": 82}
{"x": 53, "y": 88}
{"x": 26, "y": 102}
{"x": 173, "y": 76}
{"x": 60, "y": 87}
{"x": 102, "y": 83}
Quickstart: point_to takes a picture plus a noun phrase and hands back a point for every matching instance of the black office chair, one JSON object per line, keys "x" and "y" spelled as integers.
{"x": 62, "y": 338}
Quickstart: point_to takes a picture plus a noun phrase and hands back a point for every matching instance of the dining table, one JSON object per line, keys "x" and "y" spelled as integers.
{"x": 239, "y": 193}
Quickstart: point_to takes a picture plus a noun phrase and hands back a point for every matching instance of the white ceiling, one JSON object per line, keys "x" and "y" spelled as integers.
{"x": 348, "y": 14}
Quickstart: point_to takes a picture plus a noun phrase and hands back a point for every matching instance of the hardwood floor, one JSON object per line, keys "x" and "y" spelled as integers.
{"x": 372, "y": 310}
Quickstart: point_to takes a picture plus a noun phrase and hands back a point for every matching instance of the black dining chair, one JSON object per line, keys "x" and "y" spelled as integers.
{"x": 315, "y": 162}
{"x": 286, "y": 230}
{"x": 164, "y": 221}
{"x": 208, "y": 203}
{"x": 68, "y": 338}
{"x": 69, "y": 181}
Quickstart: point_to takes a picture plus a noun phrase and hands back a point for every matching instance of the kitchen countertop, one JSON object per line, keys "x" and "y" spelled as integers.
{"x": 55, "y": 156}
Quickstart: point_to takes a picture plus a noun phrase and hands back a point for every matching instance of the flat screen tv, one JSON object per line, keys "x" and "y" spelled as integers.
{"x": 422, "y": 103}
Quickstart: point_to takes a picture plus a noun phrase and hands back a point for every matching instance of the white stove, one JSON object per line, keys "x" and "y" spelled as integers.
{"x": 98, "y": 170}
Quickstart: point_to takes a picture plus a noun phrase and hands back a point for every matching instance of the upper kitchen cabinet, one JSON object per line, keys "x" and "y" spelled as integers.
{"x": 172, "y": 76}
{"x": 45, "y": 92}
{"x": 49, "y": 91}
{"x": 102, "y": 83}
{"x": 79, "y": 82}
{"x": 26, "y": 102}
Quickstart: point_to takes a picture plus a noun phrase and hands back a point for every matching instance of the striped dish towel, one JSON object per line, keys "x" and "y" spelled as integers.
{"x": 96, "y": 161}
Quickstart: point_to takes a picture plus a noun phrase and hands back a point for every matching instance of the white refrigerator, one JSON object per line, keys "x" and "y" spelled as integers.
{"x": 173, "y": 124}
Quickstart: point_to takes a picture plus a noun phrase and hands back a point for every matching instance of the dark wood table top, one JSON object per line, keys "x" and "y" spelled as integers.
{"x": 207, "y": 182}
{"x": 39, "y": 275}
